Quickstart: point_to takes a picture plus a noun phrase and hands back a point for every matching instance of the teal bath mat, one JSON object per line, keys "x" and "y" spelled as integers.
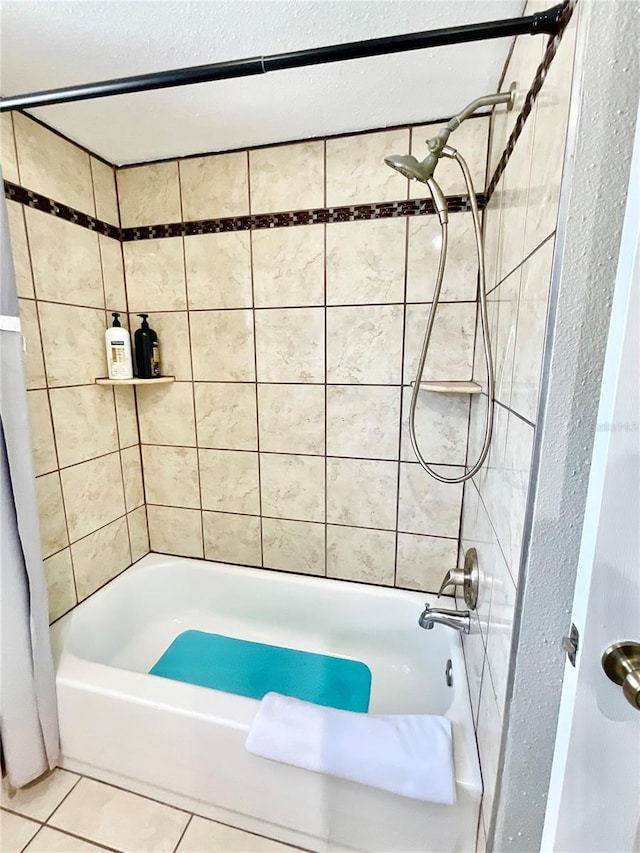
{"x": 253, "y": 669}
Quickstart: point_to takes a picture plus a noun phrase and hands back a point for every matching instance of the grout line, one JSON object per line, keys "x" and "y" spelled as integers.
{"x": 326, "y": 362}
{"x": 259, "y": 307}
{"x": 305, "y": 521}
{"x": 255, "y": 363}
{"x": 113, "y": 390}
{"x": 84, "y": 461}
{"x": 526, "y": 258}
{"x": 310, "y": 139}
{"x": 183, "y": 833}
{"x": 402, "y": 394}
{"x": 54, "y": 810}
{"x": 192, "y": 382}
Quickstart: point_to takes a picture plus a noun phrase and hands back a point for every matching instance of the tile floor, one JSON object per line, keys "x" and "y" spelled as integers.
{"x": 67, "y": 813}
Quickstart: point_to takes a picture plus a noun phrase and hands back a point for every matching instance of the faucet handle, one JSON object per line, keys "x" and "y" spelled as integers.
{"x": 454, "y": 577}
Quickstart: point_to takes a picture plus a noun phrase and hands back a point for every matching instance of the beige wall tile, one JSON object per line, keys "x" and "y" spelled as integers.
{"x": 287, "y": 177}
{"x": 552, "y": 114}
{"x": 288, "y": 266}
{"x": 8, "y": 157}
{"x": 73, "y": 341}
{"x": 293, "y": 546}
{"x": 500, "y": 631}
{"x": 366, "y": 261}
{"x": 175, "y": 531}
{"x": 363, "y": 421}
{"x": 134, "y": 823}
{"x": 115, "y": 296}
{"x": 361, "y": 555}
{"x": 172, "y": 329}
{"x": 356, "y": 171}
{"x": 353, "y": 500}
{"x": 33, "y": 360}
{"x": 290, "y": 345}
{"x": 226, "y": 415}
{"x": 514, "y": 193}
{"x": 53, "y": 530}
{"x": 84, "y": 420}
{"x": 451, "y": 349}
{"x": 503, "y": 333}
{"x": 531, "y": 324}
{"x": 292, "y": 486}
{"x": 219, "y": 270}
{"x": 93, "y": 494}
{"x": 426, "y": 505}
{"x": 60, "y": 583}
{"x": 20, "y": 249}
{"x": 442, "y": 423}
{"x": 66, "y": 260}
{"x": 165, "y": 414}
{"x": 126, "y": 416}
{"x": 53, "y": 166}
{"x": 154, "y": 271}
{"x": 171, "y": 476}
{"x": 232, "y": 538}
{"x": 222, "y": 346}
{"x": 491, "y": 228}
{"x": 215, "y": 186}
{"x": 229, "y": 481}
{"x": 101, "y": 556}
{"x": 423, "y": 561}
{"x": 292, "y": 418}
{"x": 132, "y": 477}
{"x": 139, "y": 533}
{"x": 470, "y": 139}
{"x": 149, "y": 195}
{"x": 364, "y": 344}
{"x": 44, "y": 448}
{"x": 461, "y": 272}
{"x": 104, "y": 188}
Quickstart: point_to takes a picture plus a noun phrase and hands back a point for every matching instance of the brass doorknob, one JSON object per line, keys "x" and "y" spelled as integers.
{"x": 621, "y": 663}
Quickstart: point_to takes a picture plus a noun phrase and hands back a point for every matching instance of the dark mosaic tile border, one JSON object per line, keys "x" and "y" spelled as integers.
{"x": 14, "y": 192}
{"x": 352, "y": 213}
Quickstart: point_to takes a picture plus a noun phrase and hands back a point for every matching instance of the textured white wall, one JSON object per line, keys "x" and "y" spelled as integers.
{"x": 592, "y": 207}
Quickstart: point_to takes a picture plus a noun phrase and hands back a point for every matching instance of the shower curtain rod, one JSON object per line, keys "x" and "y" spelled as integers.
{"x": 543, "y": 22}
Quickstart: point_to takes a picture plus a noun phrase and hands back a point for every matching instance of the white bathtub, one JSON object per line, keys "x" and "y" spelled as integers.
{"x": 184, "y": 744}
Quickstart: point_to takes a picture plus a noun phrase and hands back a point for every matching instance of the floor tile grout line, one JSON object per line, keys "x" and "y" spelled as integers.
{"x": 72, "y": 788}
{"x": 183, "y": 833}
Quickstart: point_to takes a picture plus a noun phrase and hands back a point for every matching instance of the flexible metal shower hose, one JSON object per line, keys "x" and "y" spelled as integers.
{"x": 451, "y": 152}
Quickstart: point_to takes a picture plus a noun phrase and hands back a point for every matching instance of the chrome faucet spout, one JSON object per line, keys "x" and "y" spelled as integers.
{"x": 459, "y": 620}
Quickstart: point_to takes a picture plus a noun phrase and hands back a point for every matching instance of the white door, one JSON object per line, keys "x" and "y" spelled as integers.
{"x": 594, "y": 795}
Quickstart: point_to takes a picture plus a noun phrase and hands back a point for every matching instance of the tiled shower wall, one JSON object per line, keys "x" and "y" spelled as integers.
{"x": 85, "y": 437}
{"x": 520, "y": 224}
{"x": 283, "y": 442}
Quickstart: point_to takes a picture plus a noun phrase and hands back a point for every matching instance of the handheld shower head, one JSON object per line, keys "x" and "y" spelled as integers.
{"x": 409, "y": 166}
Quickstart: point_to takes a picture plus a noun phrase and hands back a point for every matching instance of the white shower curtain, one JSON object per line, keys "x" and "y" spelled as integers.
{"x": 28, "y": 712}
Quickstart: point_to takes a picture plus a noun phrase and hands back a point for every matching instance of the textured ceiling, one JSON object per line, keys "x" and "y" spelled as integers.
{"x": 50, "y": 44}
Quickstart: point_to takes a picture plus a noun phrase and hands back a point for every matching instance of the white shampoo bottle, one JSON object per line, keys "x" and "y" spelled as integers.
{"x": 119, "y": 360}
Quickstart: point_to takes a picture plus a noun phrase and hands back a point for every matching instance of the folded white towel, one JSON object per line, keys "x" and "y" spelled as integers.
{"x": 408, "y": 754}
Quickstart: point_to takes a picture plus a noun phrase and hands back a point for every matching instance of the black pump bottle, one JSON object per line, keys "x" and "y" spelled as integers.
{"x": 147, "y": 351}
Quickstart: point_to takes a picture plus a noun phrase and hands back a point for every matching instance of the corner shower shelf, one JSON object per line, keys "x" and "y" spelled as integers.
{"x": 159, "y": 380}
{"x": 450, "y": 387}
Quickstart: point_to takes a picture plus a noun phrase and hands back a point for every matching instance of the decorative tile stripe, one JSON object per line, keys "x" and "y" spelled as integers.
{"x": 14, "y": 192}
{"x": 354, "y": 213}
{"x": 527, "y": 107}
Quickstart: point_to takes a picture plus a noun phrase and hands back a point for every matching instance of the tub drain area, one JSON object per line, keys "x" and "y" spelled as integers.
{"x": 253, "y": 669}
